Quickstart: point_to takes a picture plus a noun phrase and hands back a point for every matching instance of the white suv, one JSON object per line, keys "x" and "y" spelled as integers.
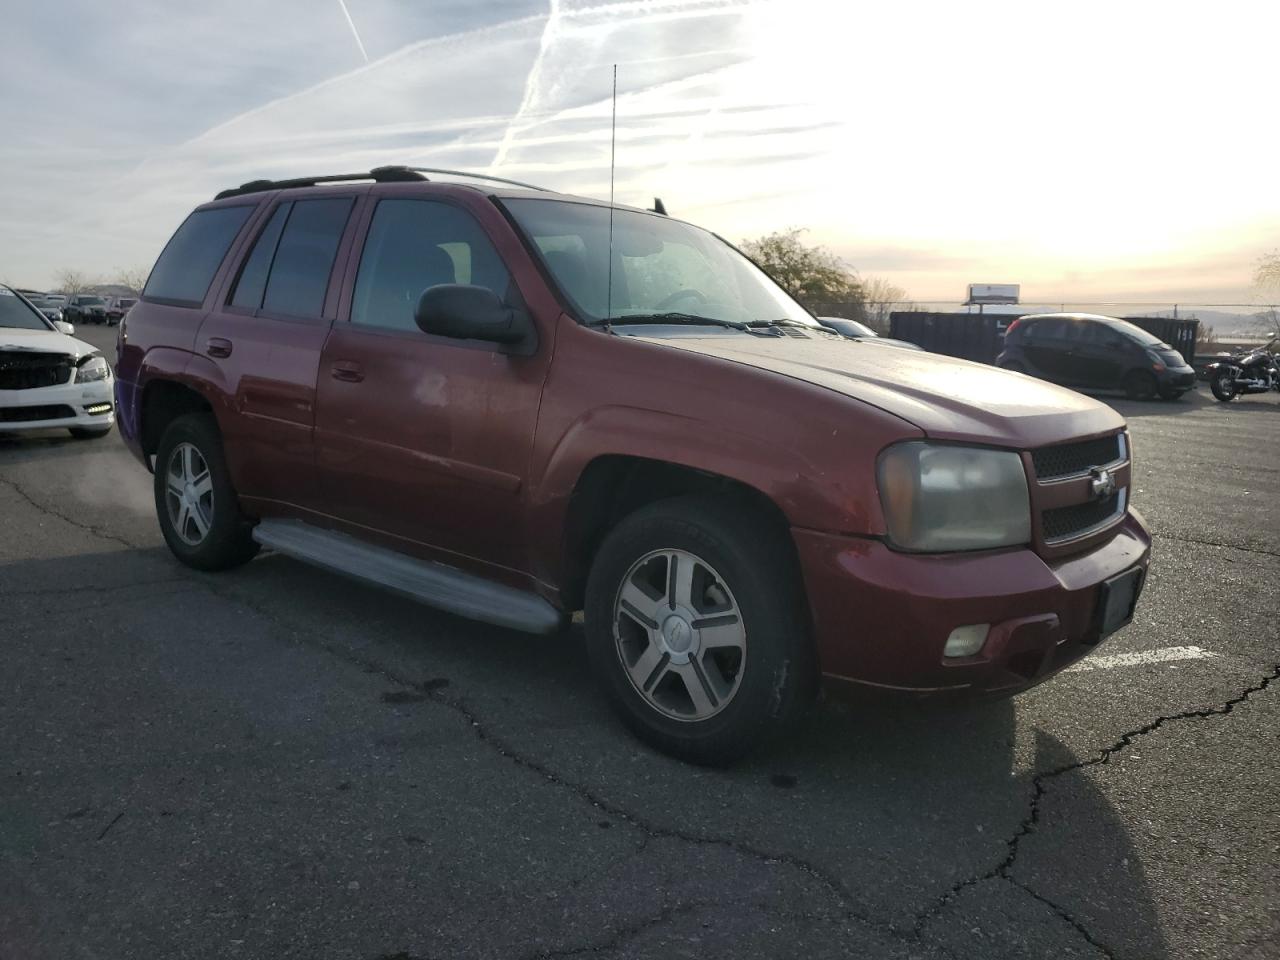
{"x": 48, "y": 379}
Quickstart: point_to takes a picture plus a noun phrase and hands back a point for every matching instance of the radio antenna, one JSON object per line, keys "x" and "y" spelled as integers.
{"x": 613, "y": 151}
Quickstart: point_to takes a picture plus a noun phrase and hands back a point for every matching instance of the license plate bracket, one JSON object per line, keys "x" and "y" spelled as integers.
{"x": 1117, "y": 600}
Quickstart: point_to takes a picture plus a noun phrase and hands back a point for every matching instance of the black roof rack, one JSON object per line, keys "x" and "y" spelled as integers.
{"x": 476, "y": 176}
{"x": 391, "y": 174}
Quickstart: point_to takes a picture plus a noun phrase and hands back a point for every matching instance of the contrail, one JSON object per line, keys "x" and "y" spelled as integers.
{"x": 354, "y": 32}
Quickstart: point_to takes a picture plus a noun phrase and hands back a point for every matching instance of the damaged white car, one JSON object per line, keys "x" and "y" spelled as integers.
{"x": 48, "y": 379}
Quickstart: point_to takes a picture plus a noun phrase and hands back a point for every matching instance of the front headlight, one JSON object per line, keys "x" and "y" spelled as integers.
{"x": 95, "y": 368}
{"x": 938, "y": 497}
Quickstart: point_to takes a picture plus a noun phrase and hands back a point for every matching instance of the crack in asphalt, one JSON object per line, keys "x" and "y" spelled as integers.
{"x": 1039, "y": 789}
{"x": 621, "y": 935}
{"x": 650, "y": 830}
{"x": 79, "y": 524}
{"x": 1262, "y": 551}
{"x": 431, "y": 691}
{"x": 1080, "y": 928}
{"x": 93, "y": 588}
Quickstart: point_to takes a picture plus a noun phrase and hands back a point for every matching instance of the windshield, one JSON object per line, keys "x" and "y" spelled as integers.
{"x": 14, "y": 313}
{"x": 91, "y": 301}
{"x": 1134, "y": 332}
{"x": 659, "y": 266}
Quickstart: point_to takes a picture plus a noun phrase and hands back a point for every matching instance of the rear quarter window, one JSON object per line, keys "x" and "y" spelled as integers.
{"x": 182, "y": 275}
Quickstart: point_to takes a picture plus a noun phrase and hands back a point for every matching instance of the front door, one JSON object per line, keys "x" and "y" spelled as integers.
{"x": 421, "y": 437}
{"x": 266, "y": 339}
{"x": 1099, "y": 355}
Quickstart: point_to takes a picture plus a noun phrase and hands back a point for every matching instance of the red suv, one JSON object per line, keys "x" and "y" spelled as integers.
{"x": 513, "y": 404}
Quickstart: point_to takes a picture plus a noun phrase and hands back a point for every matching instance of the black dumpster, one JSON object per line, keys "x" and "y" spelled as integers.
{"x": 970, "y": 336}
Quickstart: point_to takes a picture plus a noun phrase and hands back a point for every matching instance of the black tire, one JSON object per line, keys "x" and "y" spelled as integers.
{"x": 228, "y": 541}
{"x": 89, "y": 433}
{"x": 778, "y": 675}
{"x": 1140, "y": 385}
{"x": 1222, "y": 383}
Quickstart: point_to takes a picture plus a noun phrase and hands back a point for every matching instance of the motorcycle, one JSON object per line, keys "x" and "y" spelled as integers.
{"x": 1254, "y": 371}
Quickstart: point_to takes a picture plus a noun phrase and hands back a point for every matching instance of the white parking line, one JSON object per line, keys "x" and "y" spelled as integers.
{"x": 1162, "y": 655}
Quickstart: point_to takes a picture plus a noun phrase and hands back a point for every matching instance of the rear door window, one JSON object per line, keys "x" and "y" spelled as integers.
{"x": 182, "y": 275}
{"x": 1043, "y": 331}
{"x": 253, "y": 275}
{"x": 303, "y": 260}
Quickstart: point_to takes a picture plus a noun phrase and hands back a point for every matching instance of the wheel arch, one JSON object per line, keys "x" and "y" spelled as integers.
{"x": 163, "y": 401}
{"x": 613, "y": 486}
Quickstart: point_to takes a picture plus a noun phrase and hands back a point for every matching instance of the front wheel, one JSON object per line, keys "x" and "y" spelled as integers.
{"x": 1223, "y": 385}
{"x": 1140, "y": 385}
{"x": 697, "y": 629}
{"x": 197, "y": 507}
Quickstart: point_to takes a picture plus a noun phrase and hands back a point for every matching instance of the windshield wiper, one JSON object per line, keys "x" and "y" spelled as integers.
{"x": 690, "y": 319}
{"x": 784, "y": 322}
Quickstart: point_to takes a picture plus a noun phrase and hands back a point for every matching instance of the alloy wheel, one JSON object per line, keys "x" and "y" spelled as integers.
{"x": 679, "y": 635}
{"x": 189, "y": 494}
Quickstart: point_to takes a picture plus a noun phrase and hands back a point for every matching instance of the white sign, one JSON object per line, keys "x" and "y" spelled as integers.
{"x": 993, "y": 293}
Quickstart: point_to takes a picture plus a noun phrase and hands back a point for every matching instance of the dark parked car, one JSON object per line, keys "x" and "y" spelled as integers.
{"x": 1101, "y": 353}
{"x": 860, "y": 331}
{"x": 434, "y": 387}
{"x": 85, "y": 308}
{"x": 117, "y": 307}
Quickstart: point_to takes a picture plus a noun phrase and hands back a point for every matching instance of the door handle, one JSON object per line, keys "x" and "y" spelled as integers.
{"x": 346, "y": 370}
{"x": 217, "y": 347}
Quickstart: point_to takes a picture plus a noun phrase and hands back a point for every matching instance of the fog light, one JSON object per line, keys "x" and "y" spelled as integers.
{"x": 966, "y": 641}
{"x": 94, "y": 409}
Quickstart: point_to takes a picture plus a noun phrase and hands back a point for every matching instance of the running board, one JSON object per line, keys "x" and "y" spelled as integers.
{"x": 434, "y": 584}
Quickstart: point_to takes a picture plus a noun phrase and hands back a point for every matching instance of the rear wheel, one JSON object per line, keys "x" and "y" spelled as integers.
{"x": 1223, "y": 385}
{"x": 197, "y": 507}
{"x": 696, "y": 629}
{"x": 1140, "y": 385}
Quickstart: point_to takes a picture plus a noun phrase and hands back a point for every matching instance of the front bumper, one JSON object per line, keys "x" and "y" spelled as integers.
{"x": 1177, "y": 378}
{"x": 64, "y": 405}
{"x": 881, "y": 618}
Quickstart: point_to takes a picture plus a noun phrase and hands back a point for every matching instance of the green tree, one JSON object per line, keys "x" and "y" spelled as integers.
{"x": 811, "y": 274}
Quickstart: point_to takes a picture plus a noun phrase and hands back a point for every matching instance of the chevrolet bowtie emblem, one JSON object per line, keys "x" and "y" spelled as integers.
{"x": 1103, "y": 483}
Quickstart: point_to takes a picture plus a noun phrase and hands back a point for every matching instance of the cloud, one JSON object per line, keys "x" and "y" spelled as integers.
{"x": 925, "y": 141}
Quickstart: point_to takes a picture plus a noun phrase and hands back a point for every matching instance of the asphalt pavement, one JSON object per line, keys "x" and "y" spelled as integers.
{"x": 276, "y": 762}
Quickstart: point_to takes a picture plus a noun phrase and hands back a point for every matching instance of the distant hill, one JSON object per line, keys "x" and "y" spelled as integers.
{"x": 1225, "y": 323}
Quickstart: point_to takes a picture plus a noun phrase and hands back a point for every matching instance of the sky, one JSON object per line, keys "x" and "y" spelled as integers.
{"x": 1092, "y": 151}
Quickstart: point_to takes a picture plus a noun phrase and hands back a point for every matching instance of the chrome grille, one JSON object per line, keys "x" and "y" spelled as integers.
{"x": 1075, "y": 459}
{"x": 1067, "y": 523}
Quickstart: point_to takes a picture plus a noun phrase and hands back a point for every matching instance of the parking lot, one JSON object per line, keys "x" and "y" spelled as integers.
{"x": 278, "y": 762}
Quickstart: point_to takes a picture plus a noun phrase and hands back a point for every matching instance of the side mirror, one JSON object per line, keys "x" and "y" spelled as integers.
{"x": 64, "y": 327}
{"x": 467, "y": 312}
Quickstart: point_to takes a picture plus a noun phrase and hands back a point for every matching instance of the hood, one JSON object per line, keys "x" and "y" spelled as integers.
{"x": 48, "y": 341}
{"x": 946, "y": 398}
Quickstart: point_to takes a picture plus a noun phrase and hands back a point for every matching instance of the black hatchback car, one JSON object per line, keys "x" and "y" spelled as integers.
{"x": 1101, "y": 353}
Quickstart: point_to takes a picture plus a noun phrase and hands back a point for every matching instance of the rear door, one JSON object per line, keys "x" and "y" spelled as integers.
{"x": 426, "y": 438}
{"x": 1099, "y": 355}
{"x": 265, "y": 338}
{"x": 1046, "y": 346}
